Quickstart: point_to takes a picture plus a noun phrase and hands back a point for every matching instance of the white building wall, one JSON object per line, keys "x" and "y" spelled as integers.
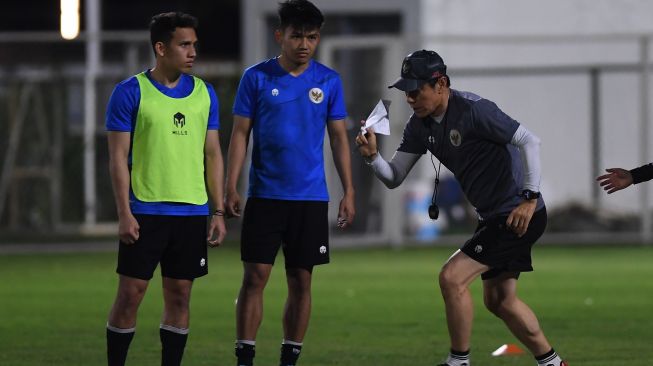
{"x": 478, "y": 34}
{"x": 534, "y": 17}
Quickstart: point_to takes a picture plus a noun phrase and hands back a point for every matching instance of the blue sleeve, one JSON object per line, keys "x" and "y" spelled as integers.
{"x": 245, "y": 102}
{"x": 490, "y": 122}
{"x": 123, "y": 106}
{"x": 214, "y": 109}
{"x": 337, "y": 108}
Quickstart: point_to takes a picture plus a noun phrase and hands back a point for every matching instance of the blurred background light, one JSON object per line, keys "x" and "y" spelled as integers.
{"x": 69, "y": 19}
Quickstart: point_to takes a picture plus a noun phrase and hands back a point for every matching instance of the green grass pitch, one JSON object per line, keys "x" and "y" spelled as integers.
{"x": 370, "y": 307}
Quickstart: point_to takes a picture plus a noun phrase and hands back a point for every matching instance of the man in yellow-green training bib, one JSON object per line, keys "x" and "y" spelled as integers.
{"x": 164, "y": 154}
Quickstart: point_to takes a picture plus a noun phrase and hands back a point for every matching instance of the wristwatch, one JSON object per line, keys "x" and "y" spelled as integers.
{"x": 370, "y": 159}
{"x": 527, "y": 194}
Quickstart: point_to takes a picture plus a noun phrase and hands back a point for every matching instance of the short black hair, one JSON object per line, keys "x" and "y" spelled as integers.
{"x": 163, "y": 25}
{"x": 300, "y": 14}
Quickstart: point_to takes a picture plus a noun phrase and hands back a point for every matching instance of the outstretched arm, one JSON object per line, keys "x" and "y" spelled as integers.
{"x": 616, "y": 180}
{"x": 342, "y": 159}
{"x": 391, "y": 173}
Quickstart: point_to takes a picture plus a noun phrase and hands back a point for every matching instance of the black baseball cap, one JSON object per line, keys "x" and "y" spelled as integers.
{"x": 418, "y": 68}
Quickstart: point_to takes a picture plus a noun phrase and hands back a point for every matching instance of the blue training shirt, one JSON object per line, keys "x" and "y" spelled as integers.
{"x": 289, "y": 115}
{"x": 121, "y": 117}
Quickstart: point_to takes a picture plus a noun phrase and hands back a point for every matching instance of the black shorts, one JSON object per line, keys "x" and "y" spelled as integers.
{"x": 300, "y": 227}
{"x": 177, "y": 242}
{"x": 497, "y": 246}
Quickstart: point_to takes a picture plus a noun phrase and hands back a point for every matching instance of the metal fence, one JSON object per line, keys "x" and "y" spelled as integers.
{"x": 54, "y": 159}
{"x": 587, "y": 97}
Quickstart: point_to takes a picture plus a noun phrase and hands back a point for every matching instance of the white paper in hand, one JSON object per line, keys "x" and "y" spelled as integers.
{"x": 379, "y": 118}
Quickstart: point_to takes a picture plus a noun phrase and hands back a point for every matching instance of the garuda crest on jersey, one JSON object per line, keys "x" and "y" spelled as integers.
{"x": 316, "y": 95}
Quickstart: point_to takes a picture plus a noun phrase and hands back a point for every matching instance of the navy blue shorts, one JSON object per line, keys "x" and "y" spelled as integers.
{"x": 301, "y": 228}
{"x": 496, "y": 245}
{"x": 177, "y": 242}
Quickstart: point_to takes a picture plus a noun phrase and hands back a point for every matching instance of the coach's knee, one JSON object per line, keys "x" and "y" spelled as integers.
{"x": 495, "y": 305}
{"x": 449, "y": 282}
{"x": 500, "y": 306}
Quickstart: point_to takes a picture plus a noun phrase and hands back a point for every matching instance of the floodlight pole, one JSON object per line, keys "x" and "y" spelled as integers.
{"x": 595, "y": 122}
{"x": 93, "y": 56}
{"x": 644, "y": 136}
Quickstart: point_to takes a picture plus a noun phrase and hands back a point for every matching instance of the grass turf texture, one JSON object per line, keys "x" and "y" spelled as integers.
{"x": 370, "y": 307}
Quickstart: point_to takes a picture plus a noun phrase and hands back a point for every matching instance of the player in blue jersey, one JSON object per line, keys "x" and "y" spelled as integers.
{"x": 617, "y": 179}
{"x": 496, "y": 161}
{"x": 286, "y": 103}
{"x": 164, "y": 151}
